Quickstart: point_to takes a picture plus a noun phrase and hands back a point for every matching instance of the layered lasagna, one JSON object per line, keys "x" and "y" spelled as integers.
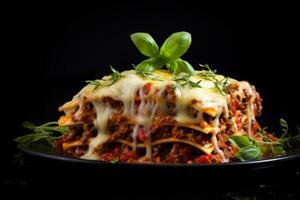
{"x": 161, "y": 118}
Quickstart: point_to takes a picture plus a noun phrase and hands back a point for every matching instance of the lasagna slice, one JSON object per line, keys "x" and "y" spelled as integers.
{"x": 160, "y": 118}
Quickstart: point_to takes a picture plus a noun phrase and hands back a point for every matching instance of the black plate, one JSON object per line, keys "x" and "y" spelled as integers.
{"x": 44, "y": 151}
{"x": 44, "y": 168}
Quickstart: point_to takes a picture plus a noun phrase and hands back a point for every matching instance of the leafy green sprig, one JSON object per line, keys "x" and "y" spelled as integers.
{"x": 47, "y": 132}
{"x": 285, "y": 141}
{"x": 251, "y": 149}
{"x": 114, "y": 77}
{"x": 183, "y": 80}
{"x": 168, "y": 55}
{"x": 146, "y": 74}
{"x": 97, "y": 83}
{"x": 210, "y": 75}
{"x": 114, "y": 161}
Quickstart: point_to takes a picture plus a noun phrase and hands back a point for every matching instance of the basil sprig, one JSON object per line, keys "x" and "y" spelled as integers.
{"x": 251, "y": 149}
{"x": 168, "y": 55}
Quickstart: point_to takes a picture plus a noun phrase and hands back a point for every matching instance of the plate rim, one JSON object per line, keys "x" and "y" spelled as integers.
{"x": 64, "y": 158}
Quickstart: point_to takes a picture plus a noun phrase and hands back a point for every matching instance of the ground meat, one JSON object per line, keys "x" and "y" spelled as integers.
{"x": 175, "y": 153}
{"x": 87, "y": 112}
{"x": 77, "y": 151}
{"x": 116, "y": 105}
{"x": 162, "y": 132}
{"x": 74, "y": 133}
{"x": 169, "y": 96}
{"x": 119, "y": 127}
{"x": 90, "y": 131}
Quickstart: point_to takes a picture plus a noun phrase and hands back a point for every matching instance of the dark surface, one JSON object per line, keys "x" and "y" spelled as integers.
{"x": 53, "y": 48}
{"x": 37, "y": 176}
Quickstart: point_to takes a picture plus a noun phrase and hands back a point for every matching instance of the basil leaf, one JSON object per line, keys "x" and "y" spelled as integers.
{"x": 249, "y": 153}
{"x": 145, "y": 44}
{"x": 148, "y": 65}
{"x": 182, "y": 66}
{"x": 240, "y": 141}
{"x": 176, "y": 45}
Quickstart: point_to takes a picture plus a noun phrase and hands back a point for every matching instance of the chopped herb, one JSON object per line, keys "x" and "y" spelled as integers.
{"x": 114, "y": 77}
{"x": 145, "y": 74}
{"x": 183, "y": 80}
{"x": 114, "y": 161}
{"x": 210, "y": 75}
{"x": 47, "y": 132}
{"x": 97, "y": 83}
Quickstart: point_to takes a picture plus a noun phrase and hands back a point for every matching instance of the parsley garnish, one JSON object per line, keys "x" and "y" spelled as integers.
{"x": 146, "y": 74}
{"x": 183, "y": 80}
{"x": 210, "y": 75}
{"x": 114, "y": 77}
{"x": 97, "y": 83}
{"x": 47, "y": 132}
{"x": 114, "y": 161}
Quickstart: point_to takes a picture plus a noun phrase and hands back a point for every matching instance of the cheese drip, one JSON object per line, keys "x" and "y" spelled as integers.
{"x": 104, "y": 111}
{"x": 144, "y": 118}
{"x": 204, "y": 99}
{"x": 245, "y": 87}
{"x": 214, "y": 140}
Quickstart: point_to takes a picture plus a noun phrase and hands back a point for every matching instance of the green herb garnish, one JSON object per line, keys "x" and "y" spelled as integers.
{"x": 114, "y": 161}
{"x": 251, "y": 149}
{"x": 251, "y": 152}
{"x": 47, "y": 132}
{"x": 285, "y": 141}
{"x": 210, "y": 75}
{"x": 114, "y": 77}
{"x": 97, "y": 83}
{"x": 145, "y": 74}
{"x": 168, "y": 55}
{"x": 183, "y": 80}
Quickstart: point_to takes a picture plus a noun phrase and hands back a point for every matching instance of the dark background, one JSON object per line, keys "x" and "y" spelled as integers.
{"x": 54, "y": 47}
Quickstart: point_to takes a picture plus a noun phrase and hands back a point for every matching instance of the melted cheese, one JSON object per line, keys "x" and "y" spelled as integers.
{"x": 245, "y": 87}
{"x": 207, "y": 99}
{"x": 214, "y": 138}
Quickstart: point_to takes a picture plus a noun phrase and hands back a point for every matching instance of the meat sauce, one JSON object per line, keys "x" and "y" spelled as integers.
{"x": 119, "y": 127}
